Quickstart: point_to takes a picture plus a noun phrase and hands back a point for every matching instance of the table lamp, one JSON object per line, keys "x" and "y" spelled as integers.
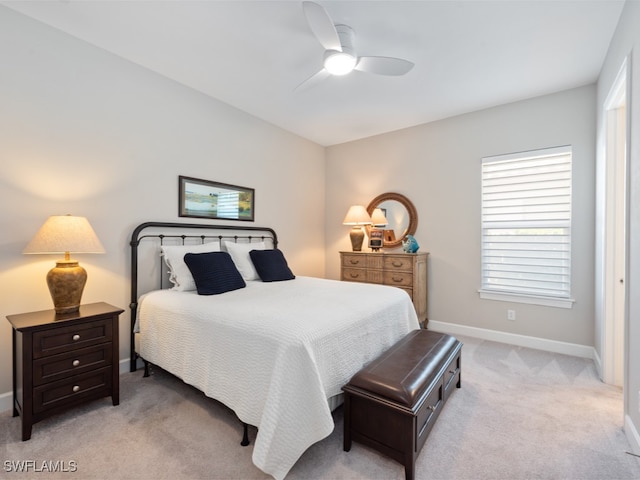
{"x": 65, "y": 234}
{"x": 357, "y": 216}
{"x": 378, "y": 219}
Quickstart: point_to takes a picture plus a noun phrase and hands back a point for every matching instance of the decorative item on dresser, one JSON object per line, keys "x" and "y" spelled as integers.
{"x": 404, "y": 270}
{"x": 61, "y": 361}
{"x": 400, "y": 217}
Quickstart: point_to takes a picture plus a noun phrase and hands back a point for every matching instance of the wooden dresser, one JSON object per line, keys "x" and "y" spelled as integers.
{"x": 404, "y": 270}
{"x": 61, "y": 361}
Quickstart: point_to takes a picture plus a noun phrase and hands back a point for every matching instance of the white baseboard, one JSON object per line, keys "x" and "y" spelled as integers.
{"x": 6, "y": 399}
{"x": 631, "y": 432}
{"x": 555, "y": 346}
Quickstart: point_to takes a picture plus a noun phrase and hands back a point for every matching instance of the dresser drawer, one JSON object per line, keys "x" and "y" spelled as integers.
{"x": 408, "y": 290}
{"x": 57, "y": 367}
{"x": 354, "y": 261}
{"x": 400, "y": 262}
{"x": 398, "y": 279}
{"x": 73, "y": 389}
{"x": 354, "y": 274}
{"x": 63, "y": 339}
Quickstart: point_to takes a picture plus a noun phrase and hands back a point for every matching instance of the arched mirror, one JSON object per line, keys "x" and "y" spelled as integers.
{"x": 401, "y": 215}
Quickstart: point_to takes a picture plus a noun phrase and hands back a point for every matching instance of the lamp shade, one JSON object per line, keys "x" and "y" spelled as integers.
{"x": 378, "y": 218}
{"x": 357, "y": 215}
{"x": 65, "y": 234}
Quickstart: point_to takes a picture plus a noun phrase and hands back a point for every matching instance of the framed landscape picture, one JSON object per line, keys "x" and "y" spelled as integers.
{"x": 205, "y": 199}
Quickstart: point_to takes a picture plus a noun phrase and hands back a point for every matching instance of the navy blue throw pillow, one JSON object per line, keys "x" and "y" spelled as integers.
{"x": 214, "y": 272}
{"x": 271, "y": 265}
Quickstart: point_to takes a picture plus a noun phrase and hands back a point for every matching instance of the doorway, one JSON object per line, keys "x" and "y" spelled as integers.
{"x": 615, "y": 234}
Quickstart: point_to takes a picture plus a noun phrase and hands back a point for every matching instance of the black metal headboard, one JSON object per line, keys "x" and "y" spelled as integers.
{"x": 155, "y": 234}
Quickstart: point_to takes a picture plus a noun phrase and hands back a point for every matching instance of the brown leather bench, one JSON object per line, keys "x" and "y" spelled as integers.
{"x": 392, "y": 404}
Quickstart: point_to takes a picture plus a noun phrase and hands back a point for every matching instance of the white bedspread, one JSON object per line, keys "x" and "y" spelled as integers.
{"x": 275, "y": 352}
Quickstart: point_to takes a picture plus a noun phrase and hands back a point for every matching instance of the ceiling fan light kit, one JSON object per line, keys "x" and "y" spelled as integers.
{"x": 339, "y": 63}
{"x": 340, "y": 57}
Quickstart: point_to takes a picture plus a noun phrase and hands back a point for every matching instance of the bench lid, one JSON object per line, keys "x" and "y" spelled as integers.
{"x": 405, "y": 371}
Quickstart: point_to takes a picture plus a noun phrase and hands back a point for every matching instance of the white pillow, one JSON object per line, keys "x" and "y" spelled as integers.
{"x": 179, "y": 273}
{"x": 240, "y": 255}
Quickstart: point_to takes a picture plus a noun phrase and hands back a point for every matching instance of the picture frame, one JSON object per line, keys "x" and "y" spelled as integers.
{"x": 376, "y": 239}
{"x": 207, "y": 199}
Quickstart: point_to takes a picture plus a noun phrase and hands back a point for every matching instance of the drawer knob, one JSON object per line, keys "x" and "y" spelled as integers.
{"x": 452, "y": 372}
{"x": 76, "y": 337}
{"x": 76, "y": 388}
{"x": 432, "y": 408}
{"x": 76, "y": 363}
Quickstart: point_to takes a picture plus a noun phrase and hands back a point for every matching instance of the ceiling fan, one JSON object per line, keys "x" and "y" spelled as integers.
{"x": 340, "y": 56}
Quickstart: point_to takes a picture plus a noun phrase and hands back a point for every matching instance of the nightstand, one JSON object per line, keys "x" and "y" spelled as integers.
{"x": 62, "y": 361}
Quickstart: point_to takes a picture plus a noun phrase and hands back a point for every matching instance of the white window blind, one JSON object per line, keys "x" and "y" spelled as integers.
{"x": 526, "y": 225}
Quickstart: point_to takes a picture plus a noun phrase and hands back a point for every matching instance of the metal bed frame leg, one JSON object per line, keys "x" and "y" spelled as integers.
{"x": 245, "y": 435}
{"x": 146, "y": 368}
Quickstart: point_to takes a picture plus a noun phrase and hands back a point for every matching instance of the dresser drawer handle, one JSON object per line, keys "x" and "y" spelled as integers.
{"x": 76, "y": 388}
{"x": 354, "y": 275}
{"x": 354, "y": 262}
{"x": 397, "y": 264}
{"x": 77, "y": 362}
{"x": 396, "y": 279}
{"x": 432, "y": 408}
{"x": 76, "y": 337}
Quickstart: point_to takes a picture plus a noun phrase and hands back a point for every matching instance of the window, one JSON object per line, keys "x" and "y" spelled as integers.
{"x": 526, "y": 227}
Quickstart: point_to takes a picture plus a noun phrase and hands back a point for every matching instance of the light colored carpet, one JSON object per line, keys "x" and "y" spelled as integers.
{"x": 520, "y": 414}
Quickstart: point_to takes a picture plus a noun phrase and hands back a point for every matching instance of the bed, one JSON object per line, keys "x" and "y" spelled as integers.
{"x": 276, "y": 353}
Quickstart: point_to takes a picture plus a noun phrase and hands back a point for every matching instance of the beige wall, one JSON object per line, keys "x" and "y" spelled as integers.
{"x": 626, "y": 44}
{"x": 437, "y": 166}
{"x": 85, "y": 132}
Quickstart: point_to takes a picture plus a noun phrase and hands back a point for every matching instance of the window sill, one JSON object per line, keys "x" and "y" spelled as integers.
{"x": 530, "y": 299}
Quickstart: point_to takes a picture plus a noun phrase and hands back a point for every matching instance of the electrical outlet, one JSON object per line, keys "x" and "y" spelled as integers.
{"x": 511, "y": 314}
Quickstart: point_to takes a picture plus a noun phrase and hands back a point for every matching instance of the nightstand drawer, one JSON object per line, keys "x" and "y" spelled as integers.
{"x": 57, "y": 367}
{"x": 63, "y": 339}
{"x": 400, "y": 262}
{"x": 398, "y": 279}
{"x": 73, "y": 389}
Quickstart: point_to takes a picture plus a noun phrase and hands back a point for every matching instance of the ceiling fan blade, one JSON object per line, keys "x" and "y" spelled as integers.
{"x": 322, "y": 26}
{"x": 384, "y": 65}
{"x": 313, "y": 80}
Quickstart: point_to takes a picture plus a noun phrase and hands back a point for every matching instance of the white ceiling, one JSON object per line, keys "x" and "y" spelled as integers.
{"x": 468, "y": 55}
